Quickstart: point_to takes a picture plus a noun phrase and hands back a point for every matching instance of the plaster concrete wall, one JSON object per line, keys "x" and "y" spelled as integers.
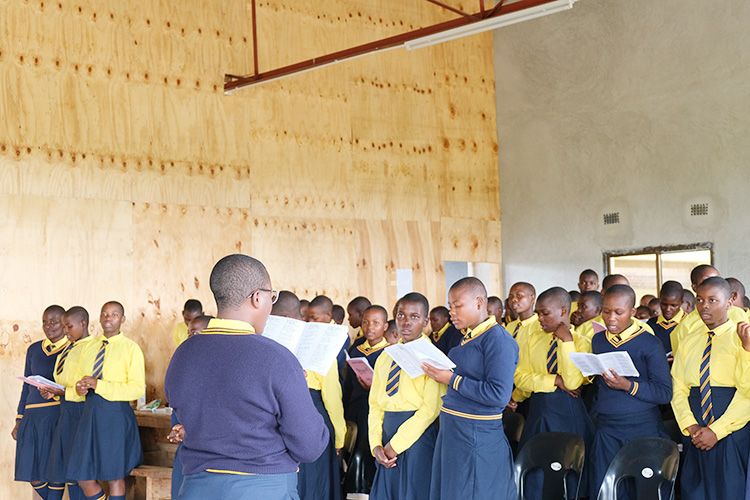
{"x": 637, "y": 107}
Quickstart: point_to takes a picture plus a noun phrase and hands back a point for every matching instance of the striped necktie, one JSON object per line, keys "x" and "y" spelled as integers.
{"x": 706, "y": 404}
{"x": 552, "y": 357}
{"x": 515, "y": 330}
{"x": 391, "y": 387}
{"x": 99, "y": 363}
{"x": 61, "y": 359}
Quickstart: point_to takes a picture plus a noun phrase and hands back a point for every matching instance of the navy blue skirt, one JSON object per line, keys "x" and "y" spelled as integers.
{"x": 62, "y": 440}
{"x": 33, "y": 442}
{"x": 719, "y": 473}
{"x": 410, "y": 478}
{"x": 473, "y": 461}
{"x": 320, "y": 480}
{"x": 612, "y": 433}
{"x": 107, "y": 445}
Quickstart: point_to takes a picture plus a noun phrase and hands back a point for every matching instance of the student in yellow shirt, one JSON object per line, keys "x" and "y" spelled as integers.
{"x": 356, "y": 309}
{"x": 495, "y": 308}
{"x": 589, "y": 307}
{"x": 692, "y": 320}
{"x": 521, "y": 297}
{"x": 192, "y": 309}
{"x": 391, "y": 333}
{"x": 75, "y": 324}
{"x": 688, "y": 301}
{"x": 320, "y": 480}
{"x": 111, "y": 374}
{"x": 403, "y": 410}
{"x": 709, "y": 409}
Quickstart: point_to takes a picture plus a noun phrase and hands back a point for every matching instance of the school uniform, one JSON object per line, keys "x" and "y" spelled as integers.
{"x": 180, "y": 333}
{"x": 473, "y": 459}
{"x": 252, "y": 379}
{"x": 589, "y": 328}
{"x": 663, "y": 328}
{"x": 627, "y": 415}
{"x": 107, "y": 445}
{"x": 520, "y": 331}
{"x": 358, "y": 340}
{"x": 543, "y": 356}
{"x": 446, "y": 338}
{"x": 705, "y": 383}
{"x": 320, "y": 479}
{"x": 71, "y": 407}
{"x": 403, "y": 412}
{"x": 693, "y": 321}
{"x": 37, "y": 416}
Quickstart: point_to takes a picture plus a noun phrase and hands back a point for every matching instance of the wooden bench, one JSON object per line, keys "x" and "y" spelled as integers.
{"x": 158, "y": 482}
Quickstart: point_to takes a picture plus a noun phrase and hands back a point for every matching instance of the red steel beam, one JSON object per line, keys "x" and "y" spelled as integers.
{"x": 377, "y": 46}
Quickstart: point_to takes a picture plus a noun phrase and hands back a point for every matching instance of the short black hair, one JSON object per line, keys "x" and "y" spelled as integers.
{"x": 621, "y": 291}
{"x": 359, "y": 303}
{"x": 193, "y": 306}
{"x": 286, "y": 305}
{"x": 671, "y": 289}
{"x": 698, "y": 271}
{"x": 717, "y": 282}
{"x": 78, "y": 313}
{"x": 55, "y": 308}
{"x": 592, "y": 295}
{"x": 645, "y": 309}
{"x": 588, "y": 272}
{"x": 528, "y": 286}
{"x": 688, "y": 296}
{"x": 203, "y": 317}
{"x": 607, "y": 281}
{"x": 557, "y": 295}
{"x": 376, "y": 307}
{"x": 234, "y": 278}
{"x": 495, "y": 300}
{"x": 441, "y": 311}
{"x": 323, "y": 303}
{"x": 115, "y": 303}
{"x": 574, "y": 295}
{"x": 473, "y": 285}
{"x": 415, "y": 298}
{"x": 737, "y": 286}
{"x": 338, "y": 313}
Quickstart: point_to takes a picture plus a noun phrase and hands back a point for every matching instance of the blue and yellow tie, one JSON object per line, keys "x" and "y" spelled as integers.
{"x": 61, "y": 359}
{"x": 707, "y": 409}
{"x": 552, "y": 357}
{"x": 394, "y": 374}
{"x": 99, "y": 363}
{"x": 515, "y": 330}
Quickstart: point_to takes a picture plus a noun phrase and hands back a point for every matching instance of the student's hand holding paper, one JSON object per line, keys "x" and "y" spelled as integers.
{"x": 440, "y": 376}
{"x": 616, "y": 381}
{"x": 364, "y": 383}
{"x": 50, "y": 392}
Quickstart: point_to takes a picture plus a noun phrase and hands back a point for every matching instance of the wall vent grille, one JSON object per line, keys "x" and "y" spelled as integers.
{"x": 698, "y": 209}
{"x": 612, "y": 218}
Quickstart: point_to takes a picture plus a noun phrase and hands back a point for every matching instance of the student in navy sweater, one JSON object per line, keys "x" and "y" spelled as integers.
{"x": 628, "y": 407}
{"x": 37, "y": 418}
{"x": 473, "y": 460}
{"x": 242, "y": 398}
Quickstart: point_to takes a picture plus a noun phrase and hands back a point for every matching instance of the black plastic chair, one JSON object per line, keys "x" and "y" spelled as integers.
{"x": 513, "y": 427}
{"x": 557, "y": 454}
{"x": 650, "y": 462}
{"x": 355, "y": 480}
{"x": 350, "y": 439}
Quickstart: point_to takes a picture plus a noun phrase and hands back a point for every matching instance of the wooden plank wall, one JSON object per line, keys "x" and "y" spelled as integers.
{"x": 125, "y": 173}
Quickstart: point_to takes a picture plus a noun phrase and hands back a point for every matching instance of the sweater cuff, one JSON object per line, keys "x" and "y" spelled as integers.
{"x": 455, "y": 381}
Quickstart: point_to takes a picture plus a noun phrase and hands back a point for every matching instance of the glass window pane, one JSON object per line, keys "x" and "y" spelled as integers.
{"x": 676, "y": 266}
{"x": 640, "y": 271}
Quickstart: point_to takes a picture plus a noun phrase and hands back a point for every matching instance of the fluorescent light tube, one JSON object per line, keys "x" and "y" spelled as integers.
{"x": 491, "y": 24}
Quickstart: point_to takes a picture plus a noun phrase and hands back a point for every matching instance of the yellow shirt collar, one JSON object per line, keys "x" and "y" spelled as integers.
{"x": 719, "y": 330}
{"x": 219, "y": 326}
{"x": 482, "y": 327}
{"x": 669, "y": 323}
{"x": 436, "y": 335}
{"x": 366, "y": 349}
{"x": 633, "y": 329}
{"x": 528, "y": 321}
{"x": 51, "y": 348}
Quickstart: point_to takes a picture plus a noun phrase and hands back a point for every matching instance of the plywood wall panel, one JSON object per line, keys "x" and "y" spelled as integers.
{"x": 125, "y": 173}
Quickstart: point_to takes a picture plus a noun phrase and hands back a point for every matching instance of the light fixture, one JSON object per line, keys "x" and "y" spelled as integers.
{"x": 491, "y": 24}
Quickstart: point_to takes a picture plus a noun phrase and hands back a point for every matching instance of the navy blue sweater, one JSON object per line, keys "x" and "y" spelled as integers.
{"x": 39, "y": 361}
{"x": 244, "y": 403}
{"x": 654, "y": 385}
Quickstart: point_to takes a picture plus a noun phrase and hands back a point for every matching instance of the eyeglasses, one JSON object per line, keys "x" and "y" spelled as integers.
{"x": 274, "y": 294}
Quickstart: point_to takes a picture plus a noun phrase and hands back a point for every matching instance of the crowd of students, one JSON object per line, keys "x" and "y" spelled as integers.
{"x": 435, "y": 436}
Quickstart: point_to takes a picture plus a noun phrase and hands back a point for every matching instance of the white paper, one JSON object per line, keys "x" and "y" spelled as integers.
{"x": 361, "y": 367}
{"x": 39, "y": 381}
{"x": 595, "y": 364}
{"x": 411, "y": 355}
{"x": 315, "y": 345}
